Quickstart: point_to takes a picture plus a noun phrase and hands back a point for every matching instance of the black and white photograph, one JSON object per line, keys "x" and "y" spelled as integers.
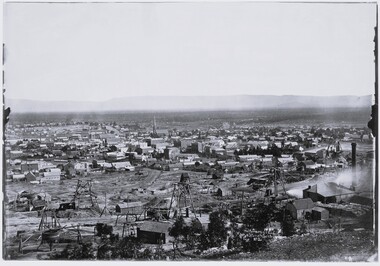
{"x": 194, "y": 131}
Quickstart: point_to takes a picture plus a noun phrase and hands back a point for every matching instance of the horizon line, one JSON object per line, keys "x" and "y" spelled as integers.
{"x": 184, "y": 96}
{"x": 185, "y": 110}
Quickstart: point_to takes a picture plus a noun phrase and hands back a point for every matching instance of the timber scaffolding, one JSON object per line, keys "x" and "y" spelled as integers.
{"x": 84, "y": 196}
{"x": 66, "y": 234}
{"x": 182, "y": 198}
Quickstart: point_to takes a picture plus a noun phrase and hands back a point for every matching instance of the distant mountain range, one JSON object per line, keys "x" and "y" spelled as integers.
{"x": 188, "y": 103}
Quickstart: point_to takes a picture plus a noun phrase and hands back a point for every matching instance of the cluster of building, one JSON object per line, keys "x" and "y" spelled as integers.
{"x": 53, "y": 151}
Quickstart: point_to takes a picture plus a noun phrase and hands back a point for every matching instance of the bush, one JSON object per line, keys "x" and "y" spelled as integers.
{"x": 217, "y": 230}
{"x": 287, "y": 225}
{"x": 253, "y": 241}
{"x": 259, "y": 217}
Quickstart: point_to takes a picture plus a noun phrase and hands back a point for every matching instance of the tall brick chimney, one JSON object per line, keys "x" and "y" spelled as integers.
{"x": 354, "y": 178}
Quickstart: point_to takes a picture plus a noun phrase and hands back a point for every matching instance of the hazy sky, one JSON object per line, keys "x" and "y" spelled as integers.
{"x": 101, "y": 51}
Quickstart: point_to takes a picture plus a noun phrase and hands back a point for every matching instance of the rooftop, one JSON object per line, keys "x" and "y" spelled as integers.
{"x": 157, "y": 227}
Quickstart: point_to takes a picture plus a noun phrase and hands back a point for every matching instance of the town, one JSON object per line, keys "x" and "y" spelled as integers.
{"x": 163, "y": 188}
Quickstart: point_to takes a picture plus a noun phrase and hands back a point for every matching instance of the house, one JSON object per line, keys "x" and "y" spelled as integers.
{"x": 162, "y": 132}
{"x": 81, "y": 167}
{"x": 57, "y": 152}
{"x": 29, "y": 166}
{"x": 217, "y": 175}
{"x": 30, "y": 177}
{"x": 300, "y": 207}
{"x": 229, "y": 165}
{"x": 260, "y": 180}
{"x": 216, "y": 151}
{"x": 18, "y": 177}
{"x": 263, "y": 145}
{"x": 171, "y": 152}
{"x": 160, "y": 147}
{"x": 52, "y": 175}
{"x": 319, "y": 213}
{"x": 16, "y": 154}
{"x": 222, "y": 192}
{"x": 248, "y": 158}
{"x": 316, "y": 153}
{"x": 286, "y": 160}
{"x": 175, "y": 166}
{"x": 308, "y": 166}
{"x": 231, "y": 145}
{"x": 329, "y": 192}
{"x": 115, "y": 156}
{"x": 153, "y": 141}
{"x": 131, "y": 208}
{"x": 152, "y": 232}
{"x": 69, "y": 169}
{"x": 188, "y": 157}
{"x": 145, "y": 151}
{"x": 186, "y": 143}
{"x": 204, "y": 219}
{"x": 118, "y": 166}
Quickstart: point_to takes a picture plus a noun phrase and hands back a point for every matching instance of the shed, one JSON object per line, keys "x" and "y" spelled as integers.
{"x": 204, "y": 219}
{"x": 319, "y": 213}
{"x": 151, "y": 232}
{"x": 217, "y": 175}
{"x": 30, "y": 177}
{"x": 19, "y": 177}
{"x": 132, "y": 208}
{"x": 185, "y": 178}
{"x": 221, "y": 192}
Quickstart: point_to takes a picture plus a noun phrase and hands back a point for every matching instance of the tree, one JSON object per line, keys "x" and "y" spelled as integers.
{"x": 65, "y": 148}
{"x": 112, "y": 148}
{"x": 287, "y": 225}
{"x": 235, "y": 241}
{"x": 259, "y": 217}
{"x": 187, "y": 234}
{"x": 127, "y": 248}
{"x": 217, "y": 230}
{"x": 147, "y": 254}
{"x": 32, "y": 146}
{"x": 194, "y": 231}
{"x": 84, "y": 251}
{"x": 253, "y": 241}
{"x": 204, "y": 242}
{"x": 177, "y": 230}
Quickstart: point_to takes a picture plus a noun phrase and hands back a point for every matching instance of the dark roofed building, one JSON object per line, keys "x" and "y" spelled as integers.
{"x": 185, "y": 178}
{"x": 29, "y": 166}
{"x": 327, "y": 192}
{"x": 222, "y": 192}
{"x": 30, "y": 177}
{"x": 151, "y": 232}
{"x": 131, "y": 208}
{"x": 319, "y": 213}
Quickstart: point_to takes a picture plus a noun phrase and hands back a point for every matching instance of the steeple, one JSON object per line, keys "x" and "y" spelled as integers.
{"x": 154, "y": 126}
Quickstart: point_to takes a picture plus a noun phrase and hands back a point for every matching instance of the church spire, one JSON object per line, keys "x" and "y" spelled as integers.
{"x": 154, "y": 126}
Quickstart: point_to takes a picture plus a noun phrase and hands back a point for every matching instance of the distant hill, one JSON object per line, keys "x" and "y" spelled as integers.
{"x": 187, "y": 103}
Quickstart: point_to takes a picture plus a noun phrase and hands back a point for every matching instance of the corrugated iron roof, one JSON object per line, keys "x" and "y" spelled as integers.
{"x": 331, "y": 189}
{"x": 157, "y": 227}
{"x": 130, "y": 204}
{"x": 302, "y": 204}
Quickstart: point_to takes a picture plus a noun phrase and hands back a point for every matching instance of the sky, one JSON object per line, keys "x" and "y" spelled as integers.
{"x": 96, "y": 52}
